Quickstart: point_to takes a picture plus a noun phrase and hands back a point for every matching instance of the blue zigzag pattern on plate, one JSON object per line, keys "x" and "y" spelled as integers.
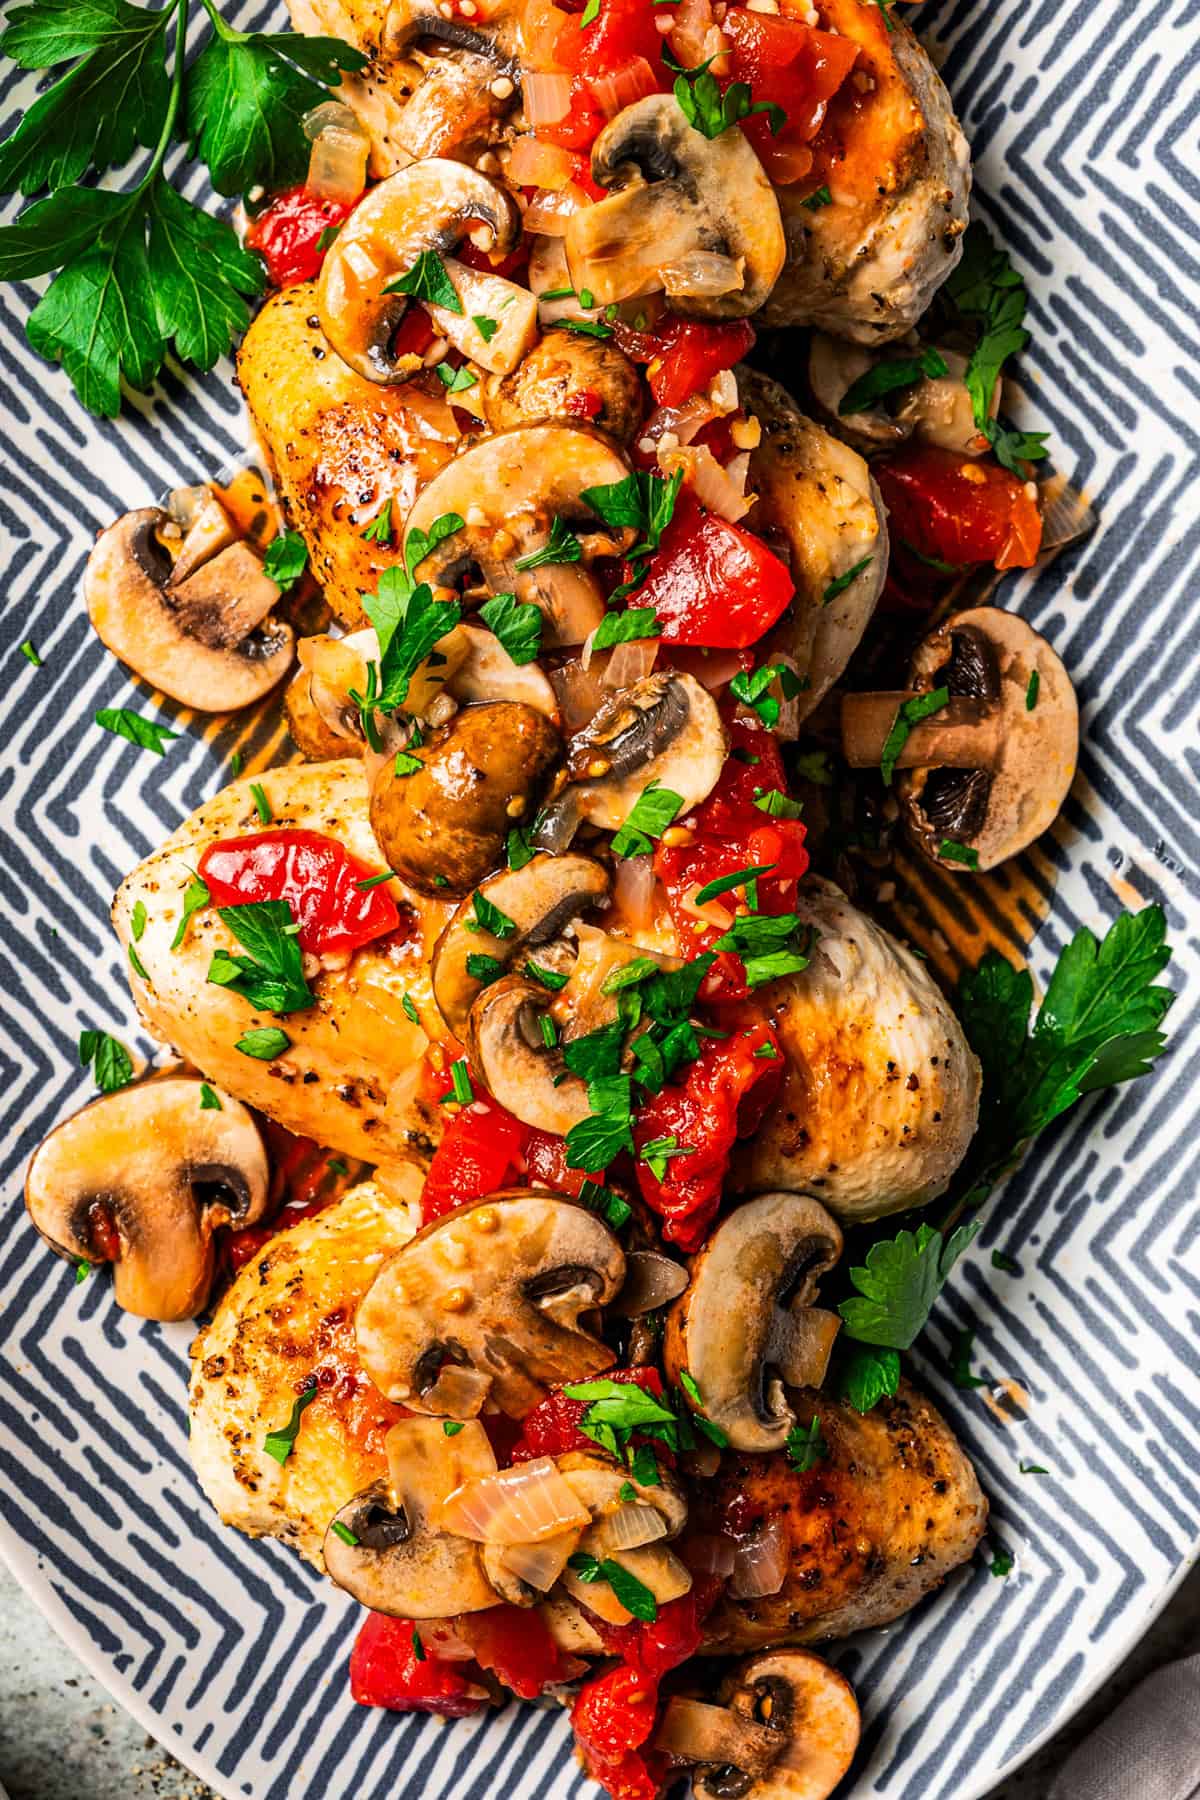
{"x": 1083, "y": 122}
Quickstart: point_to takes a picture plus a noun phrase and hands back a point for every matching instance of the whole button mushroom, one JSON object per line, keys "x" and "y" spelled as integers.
{"x": 682, "y": 199}
{"x": 142, "y": 1178}
{"x": 787, "y": 1729}
{"x": 199, "y": 629}
{"x": 485, "y": 1305}
{"x": 443, "y": 828}
{"x": 385, "y": 1547}
{"x": 985, "y": 772}
{"x": 509, "y": 489}
{"x": 746, "y": 1319}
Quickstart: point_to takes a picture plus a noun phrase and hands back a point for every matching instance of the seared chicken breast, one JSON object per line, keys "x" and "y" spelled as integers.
{"x": 881, "y": 1091}
{"x": 341, "y": 448}
{"x": 868, "y": 1532}
{"x": 289, "y": 1316}
{"x": 898, "y": 170}
{"x": 352, "y": 1075}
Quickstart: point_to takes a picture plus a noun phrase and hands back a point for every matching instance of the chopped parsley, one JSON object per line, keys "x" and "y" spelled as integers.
{"x": 136, "y": 963}
{"x": 518, "y": 847}
{"x": 405, "y": 763}
{"x": 751, "y": 689}
{"x": 379, "y": 531}
{"x": 950, "y": 851}
{"x": 562, "y": 546}
{"x": 271, "y": 975}
{"x": 488, "y": 917}
{"x": 344, "y": 1532}
{"x": 30, "y": 654}
{"x": 822, "y": 197}
{"x": 460, "y": 1084}
{"x": 262, "y": 805}
{"x": 889, "y": 377}
{"x": 841, "y": 582}
{"x": 549, "y": 978}
{"x": 633, "y": 1594}
{"x": 1005, "y": 1263}
{"x": 908, "y": 714}
{"x": 279, "y": 1444}
{"x": 456, "y": 381}
{"x": 777, "y": 805}
{"x": 1031, "y": 691}
{"x": 264, "y": 1043}
{"x": 286, "y": 560}
{"x": 484, "y": 969}
{"x": 898, "y": 1283}
{"x": 452, "y": 1427}
{"x": 651, "y": 814}
{"x": 373, "y": 881}
{"x": 131, "y": 726}
{"x": 660, "y": 1151}
{"x": 626, "y": 627}
{"x": 805, "y": 1447}
{"x": 111, "y": 1063}
{"x": 428, "y": 279}
{"x": 769, "y": 944}
{"x": 712, "y": 111}
{"x": 593, "y": 328}
{"x": 986, "y": 289}
{"x": 702, "y": 1422}
{"x": 409, "y": 1008}
{"x": 137, "y": 921}
{"x": 740, "y": 878}
{"x": 487, "y": 328}
{"x": 516, "y": 623}
{"x": 866, "y": 1374}
{"x": 959, "y": 1361}
{"x": 210, "y": 1100}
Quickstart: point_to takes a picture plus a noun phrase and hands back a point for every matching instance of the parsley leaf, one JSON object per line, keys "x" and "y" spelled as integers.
{"x": 865, "y": 1375}
{"x": 111, "y": 1063}
{"x": 379, "y": 531}
{"x": 643, "y": 502}
{"x": 484, "y": 969}
{"x": 428, "y": 280}
{"x": 822, "y": 197}
{"x": 898, "y": 1284}
{"x": 806, "y": 1447}
{"x": 271, "y": 976}
{"x": 707, "y": 110}
{"x": 265, "y": 1043}
{"x": 986, "y": 288}
{"x": 489, "y": 918}
{"x": 841, "y": 582}
{"x": 487, "y": 328}
{"x": 279, "y": 1443}
{"x": 286, "y": 560}
{"x": 959, "y": 1361}
{"x": 726, "y": 884}
{"x": 456, "y": 381}
{"x": 651, "y": 814}
{"x": 518, "y": 847}
{"x": 951, "y": 851}
{"x": 517, "y": 624}
{"x": 660, "y": 1151}
{"x": 210, "y": 1100}
{"x": 889, "y": 377}
{"x": 29, "y": 652}
{"x": 908, "y": 714}
{"x": 409, "y": 622}
{"x": 632, "y": 1593}
{"x": 751, "y": 689}
{"x": 131, "y": 726}
{"x": 562, "y": 546}
{"x": 195, "y": 896}
{"x": 626, "y": 627}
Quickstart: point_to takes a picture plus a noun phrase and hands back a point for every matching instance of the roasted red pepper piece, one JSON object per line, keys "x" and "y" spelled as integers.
{"x": 287, "y": 234}
{"x": 712, "y": 583}
{"x": 482, "y": 1149}
{"x": 385, "y": 1670}
{"x": 959, "y": 509}
{"x": 316, "y": 875}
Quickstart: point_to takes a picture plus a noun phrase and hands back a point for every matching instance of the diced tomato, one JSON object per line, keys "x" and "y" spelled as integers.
{"x": 287, "y": 234}
{"x": 960, "y": 509}
{"x": 546, "y": 1163}
{"x": 712, "y": 583}
{"x": 317, "y": 877}
{"x": 515, "y": 1645}
{"x": 690, "y": 353}
{"x": 723, "y": 1096}
{"x": 621, "y": 31}
{"x": 509, "y": 266}
{"x": 385, "y": 1670}
{"x": 793, "y": 67}
{"x": 482, "y": 1149}
{"x": 655, "y": 1648}
{"x": 579, "y": 126}
{"x": 552, "y": 1428}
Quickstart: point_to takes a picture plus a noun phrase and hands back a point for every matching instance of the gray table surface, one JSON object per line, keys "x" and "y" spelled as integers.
{"x": 63, "y": 1738}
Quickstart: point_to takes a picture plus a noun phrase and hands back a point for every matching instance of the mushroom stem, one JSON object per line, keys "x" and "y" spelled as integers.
{"x": 963, "y": 735}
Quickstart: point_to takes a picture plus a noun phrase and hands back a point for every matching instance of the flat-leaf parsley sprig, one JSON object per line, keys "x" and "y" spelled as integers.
{"x": 141, "y": 271}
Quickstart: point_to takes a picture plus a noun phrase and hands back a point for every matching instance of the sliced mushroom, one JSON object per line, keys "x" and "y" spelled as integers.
{"x": 467, "y": 73}
{"x": 388, "y": 1552}
{"x": 604, "y": 1486}
{"x": 142, "y": 1178}
{"x": 937, "y": 409}
{"x": 822, "y": 512}
{"x": 443, "y": 827}
{"x": 520, "y": 1066}
{"x": 428, "y": 207}
{"x": 678, "y": 192}
{"x": 665, "y": 729}
{"x": 655, "y": 1567}
{"x": 744, "y": 1320}
{"x": 787, "y": 1729}
{"x": 987, "y": 773}
{"x": 208, "y": 640}
{"x": 509, "y": 489}
{"x": 564, "y": 374}
{"x": 310, "y": 731}
{"x": 488, "y": 672}
{"x": 539, "y": 899}
{"x": 495, "y": 1292}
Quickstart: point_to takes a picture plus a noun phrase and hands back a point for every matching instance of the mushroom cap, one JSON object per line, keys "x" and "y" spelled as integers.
{"x": 665, "y": 728}
{"x": 508, "y": 488}
{"x": 760, "y": 1267}
{"x": 443, "y": 828}
{"x": 408, "y": 21}
{"x": 598, "y": 1481}
{"x": 401, "y": 1563}
{"x": 149, "y": 1164}
{"x": 562, "y": 367}
{"x": 678, "y": 191}
{"x": 793, "y": 1692}
{"x": 209, "y": 642}
{"x": 526, "y": 1075}
{"x": 428, "y": 206}
{"x": 999, "y": 808}
{"x": 496, "y": 1291}
{"x": 937, "y": 409}
{"x": 540, "y": 899}
{"x": 820, "y": 507}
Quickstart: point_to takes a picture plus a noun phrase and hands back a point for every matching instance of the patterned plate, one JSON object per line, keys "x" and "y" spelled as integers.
{"x": 234, "y": 1653}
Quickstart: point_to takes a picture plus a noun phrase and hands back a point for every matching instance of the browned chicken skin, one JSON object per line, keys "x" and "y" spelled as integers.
{"x": 870, "y": 1530}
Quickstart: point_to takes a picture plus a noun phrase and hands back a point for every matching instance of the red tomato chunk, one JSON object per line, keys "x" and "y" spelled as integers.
{"x": 386, "y": 1670}
{"x": 316, "y": 876}
{"x": 960, "y": 509}
{"x": 287, "y": 234}
{"x": 712, "y": 583}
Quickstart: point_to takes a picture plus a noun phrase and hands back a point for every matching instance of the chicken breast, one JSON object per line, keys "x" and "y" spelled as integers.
{"x": 881, "y": 1092}
{"x": 340, "y": 448}
{"x": 897, "y": 166}
{"x": 822, "y": 512}
{"x": 289, "y": 1315}
{"x": 353, "y": 1075}
{"x": 873, "y": 1528}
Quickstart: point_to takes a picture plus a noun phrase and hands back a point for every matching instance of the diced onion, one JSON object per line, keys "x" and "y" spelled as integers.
{"x": 458, "y": 1393}
{"x": 630, "y": 662}
{"x": 703, "y": 273}
{"x": 713, "y": 486}
{"x": 682, "y": 422}
{"x": 760, "y": 1563}
{"x": 632, "y": 81}
{"x": 540, "y": 165}
{"x": 633, "y": 892}
{"x": 541, "y": 27}
{"x": 579, "y": 692}
{"x": 539, "y": 1565}
{"x": 522, "y": 1505}
{"x": 548, "y": 213}
{"x": 337, "y": 163}
{"x": 547, "y": 97}
{"x": 628, "y": 1528}
{"x": 709, "y": 1554}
